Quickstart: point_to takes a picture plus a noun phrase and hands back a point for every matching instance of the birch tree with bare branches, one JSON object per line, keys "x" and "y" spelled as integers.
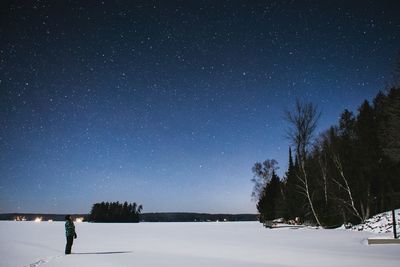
{"x": 302, "y": 125}
{"x": 344, "y": 184}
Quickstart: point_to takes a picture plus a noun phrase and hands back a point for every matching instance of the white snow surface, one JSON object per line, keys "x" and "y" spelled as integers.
{"x": 380, "y": 223}
{"x": 188, "y": 244}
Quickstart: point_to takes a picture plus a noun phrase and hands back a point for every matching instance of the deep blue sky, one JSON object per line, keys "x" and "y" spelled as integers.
{"x": 170, "y": 104}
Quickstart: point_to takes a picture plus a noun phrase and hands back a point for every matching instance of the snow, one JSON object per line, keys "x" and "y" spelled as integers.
{"x": 188, "y": 244}
{"x": 380, "y": 223}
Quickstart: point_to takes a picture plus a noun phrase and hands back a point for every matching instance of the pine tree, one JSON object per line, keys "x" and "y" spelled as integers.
{"x": 294, "y": 201}
{"x": 269, "y": 204}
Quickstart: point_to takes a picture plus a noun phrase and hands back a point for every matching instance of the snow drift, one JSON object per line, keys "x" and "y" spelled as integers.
{"x": 380, "y": 223}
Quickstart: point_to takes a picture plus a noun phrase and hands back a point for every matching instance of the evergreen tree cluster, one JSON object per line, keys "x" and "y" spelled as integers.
{"x": 115, "y": 212}
{"x": 347, "y": 174}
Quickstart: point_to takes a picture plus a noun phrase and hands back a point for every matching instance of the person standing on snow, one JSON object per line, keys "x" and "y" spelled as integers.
{"x": 70, "y": 233}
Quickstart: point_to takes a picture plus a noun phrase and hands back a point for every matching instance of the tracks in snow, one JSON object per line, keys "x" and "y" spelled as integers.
{"x": 42, "y": 261}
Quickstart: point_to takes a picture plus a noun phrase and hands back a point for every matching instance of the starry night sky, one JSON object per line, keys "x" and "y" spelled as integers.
{"x": 170, "y": 104}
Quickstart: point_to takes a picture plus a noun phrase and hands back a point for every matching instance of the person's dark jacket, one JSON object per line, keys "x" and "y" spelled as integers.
{"x": 70, "y": 228}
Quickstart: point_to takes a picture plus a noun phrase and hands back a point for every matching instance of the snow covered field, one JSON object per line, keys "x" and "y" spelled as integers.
{"x": 188, "y": 244}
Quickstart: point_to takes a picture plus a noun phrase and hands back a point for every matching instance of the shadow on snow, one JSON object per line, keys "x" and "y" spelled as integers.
{"x": 101, "y": 253}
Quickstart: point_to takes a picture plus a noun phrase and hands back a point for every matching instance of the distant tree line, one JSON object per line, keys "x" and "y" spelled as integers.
{"x": 194, "y": 217}
{"x": 346, "y": 174}
{"x": 115, "y": 212}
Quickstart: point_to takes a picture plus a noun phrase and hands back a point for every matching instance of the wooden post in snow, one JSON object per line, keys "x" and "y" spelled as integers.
{"x": 394, "y": 223}
{"x": 395, "y": 197}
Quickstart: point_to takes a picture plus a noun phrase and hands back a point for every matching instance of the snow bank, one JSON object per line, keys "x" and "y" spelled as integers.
{"x": 380, "y": 223}
{"x": 246, "y": 244}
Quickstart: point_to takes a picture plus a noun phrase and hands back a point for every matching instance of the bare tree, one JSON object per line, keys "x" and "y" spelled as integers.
{"x": 303, "y": 123}
{"x": 323, "y": 164}
{"x": 321, "y": 148}
{"x": 262, "y": 176}
{"x": 343, "y": 184}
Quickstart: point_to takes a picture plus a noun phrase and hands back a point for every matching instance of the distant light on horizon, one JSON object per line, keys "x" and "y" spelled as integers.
{"x": 38, "y": 219}
{"x": 19, "y": 218}
{"x": 79, "y": 220}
